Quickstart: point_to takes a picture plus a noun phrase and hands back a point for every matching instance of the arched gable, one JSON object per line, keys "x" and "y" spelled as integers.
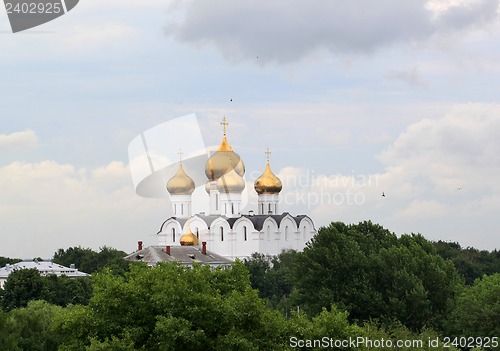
{"x": 170, "y": 232}
{"x": 170, "y": 223}
{"x": 215, "y": 229}
{"x": 289, "y": 222}
{"x": 243, "y": 222}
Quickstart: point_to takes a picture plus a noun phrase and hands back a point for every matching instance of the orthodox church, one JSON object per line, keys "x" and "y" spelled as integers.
{"x": 225, "y": 230}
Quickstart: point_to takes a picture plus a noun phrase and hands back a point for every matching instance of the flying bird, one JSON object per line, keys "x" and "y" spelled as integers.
{"x": 383, "y": 194}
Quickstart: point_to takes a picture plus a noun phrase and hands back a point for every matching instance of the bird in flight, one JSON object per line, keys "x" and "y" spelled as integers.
{"x": 383, "y": 194}
{"x": 231, "y": 99}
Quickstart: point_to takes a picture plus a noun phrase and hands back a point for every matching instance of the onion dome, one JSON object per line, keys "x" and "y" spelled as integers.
{"x": 189, "y": 239}
{"x": 231, "y": 183}
{"x": 268, "y": 183}
{"x": 223, "y": 160}
{"x": 180, "y": 183}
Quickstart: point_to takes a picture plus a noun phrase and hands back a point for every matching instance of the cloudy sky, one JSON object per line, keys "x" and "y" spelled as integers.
{"x": 354, "y": 98}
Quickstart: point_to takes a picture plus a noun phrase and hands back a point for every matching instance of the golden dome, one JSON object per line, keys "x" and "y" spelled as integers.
{"x": 268, "y": 183}
{"x": 180, "y": 183}
{"x": 222, "y": 161}
{"x": 189, "y": 239}
{"x": 231, "y": 182}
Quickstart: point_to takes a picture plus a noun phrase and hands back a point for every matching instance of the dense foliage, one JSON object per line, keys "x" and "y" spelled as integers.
{"x": 471, "y": 263}
{"x": 351, "y": 282}
{"x": 477, "y": 309}
{"x": 5, "y": 260}
{"x": 89, "y": 261}
{"x": 370, "y": 272}
{"x": 25, "y": 285}
{"x": 170, "y": 307}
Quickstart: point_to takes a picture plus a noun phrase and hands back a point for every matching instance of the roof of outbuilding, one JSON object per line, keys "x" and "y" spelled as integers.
{"x": 44, "y": 267}
{"x": 182, "y": 254}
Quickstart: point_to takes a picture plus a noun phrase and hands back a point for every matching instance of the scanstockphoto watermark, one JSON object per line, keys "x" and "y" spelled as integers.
{"x": 417, "y": 344}
{"x": 357, "y": 342}
{"x": 309, "y": 189}
{"x": 26, "y": 14}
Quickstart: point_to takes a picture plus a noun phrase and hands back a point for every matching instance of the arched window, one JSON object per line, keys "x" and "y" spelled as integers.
{"x": 245, "y": 233}
{"x": 182, "y": 209}
{"x": 173, "y": 235}
{"x": 232, "y": 208}
{"x": 221, "y": 233}
{"x": 286, "y": 233}
{"x": 269, "y": 208}
{"x": 175, "y": 209}
{"x": 197, "y": 233}
{"x": 268, "y": 233}
{"x": 304, "y": 232}
{"x": 262, "y": 207}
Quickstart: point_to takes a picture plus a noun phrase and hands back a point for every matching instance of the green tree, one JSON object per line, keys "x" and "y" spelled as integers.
{"x": 273, "y": 277}
{"x": 9, "y": 336}
{"x": 33, "y": 326}
{"x": 5, "y": 260}
{"x": 470, "y": 262}
{"x": 171, "y": 307}
{"x": 63, "y": 290}
{"x": 89, "y": 261}
{"x": 22, "y": 286}
{"x": 370, "y": 272}
{"x": 477, "y": 311}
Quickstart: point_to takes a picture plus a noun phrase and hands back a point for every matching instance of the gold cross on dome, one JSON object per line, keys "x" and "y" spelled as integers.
{"x": 180, "y": 155}
{"x": 224, "y": 124}
{"x": 268, "y": 152}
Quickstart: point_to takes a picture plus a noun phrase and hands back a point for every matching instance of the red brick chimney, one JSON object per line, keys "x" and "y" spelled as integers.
{"x": 139, "y": 245}
{"x": 204, "y": 247}
{"x": 167, "y": 250}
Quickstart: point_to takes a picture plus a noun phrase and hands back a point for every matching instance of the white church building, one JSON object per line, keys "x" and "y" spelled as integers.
{"x": 225, "y": 230}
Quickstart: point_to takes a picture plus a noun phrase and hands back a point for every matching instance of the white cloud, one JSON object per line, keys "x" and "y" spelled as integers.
{"x": 283, "y": 32}
{"x": 46, "y": 205}
{"x": 18, "y": 141}
{"x": 440, "y": 179}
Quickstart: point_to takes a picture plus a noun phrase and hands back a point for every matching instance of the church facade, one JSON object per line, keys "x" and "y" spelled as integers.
{"x": 225, "y": 230}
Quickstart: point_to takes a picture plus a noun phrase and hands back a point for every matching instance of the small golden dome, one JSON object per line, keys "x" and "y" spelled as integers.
{"x": 268, "y": 183}
{"x": 189, "y": 239}
{"x": 231, "y": 182}
{"x": 180, "y": 183}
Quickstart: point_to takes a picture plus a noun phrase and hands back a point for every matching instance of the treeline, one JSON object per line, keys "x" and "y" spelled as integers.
{"x": 471, "y": 263}
{"x": 170, "y": 307}
{"x": 25, "y": 285}
{"x": 372, "y": 274}
{"x": 352, "y": 282}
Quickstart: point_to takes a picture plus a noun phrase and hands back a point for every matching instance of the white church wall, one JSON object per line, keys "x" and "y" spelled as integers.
{"x": 170, "y": 234}
{"x": 246, "y": 238}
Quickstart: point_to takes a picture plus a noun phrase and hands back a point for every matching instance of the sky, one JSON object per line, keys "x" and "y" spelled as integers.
{"x": 354, "y": 99}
